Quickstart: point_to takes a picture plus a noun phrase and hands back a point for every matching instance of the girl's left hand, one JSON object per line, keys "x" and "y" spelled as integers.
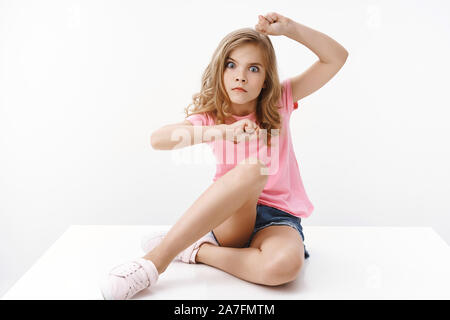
{"x": 273, "y": 24}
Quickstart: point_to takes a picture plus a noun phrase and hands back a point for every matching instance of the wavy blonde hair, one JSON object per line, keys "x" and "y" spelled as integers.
{"x": 213, "y": 98}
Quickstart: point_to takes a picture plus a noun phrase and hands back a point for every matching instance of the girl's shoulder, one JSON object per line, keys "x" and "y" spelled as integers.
{"x": 202, "y": 119}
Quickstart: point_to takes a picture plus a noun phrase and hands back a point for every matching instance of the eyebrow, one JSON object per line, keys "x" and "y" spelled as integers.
{"x": 252, "y": 63}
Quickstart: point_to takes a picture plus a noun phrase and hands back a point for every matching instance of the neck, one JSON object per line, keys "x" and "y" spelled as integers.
{"x": 243, "y": 109}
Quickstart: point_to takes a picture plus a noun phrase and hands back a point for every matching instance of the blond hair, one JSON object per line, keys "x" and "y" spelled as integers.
{"x": 214, "y": 100}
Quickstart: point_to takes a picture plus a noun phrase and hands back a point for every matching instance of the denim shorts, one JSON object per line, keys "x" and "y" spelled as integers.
{"x": 269, "y": 216}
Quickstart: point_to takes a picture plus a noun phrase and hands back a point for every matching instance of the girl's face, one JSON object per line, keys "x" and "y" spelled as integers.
{"x": 244, "y": 68}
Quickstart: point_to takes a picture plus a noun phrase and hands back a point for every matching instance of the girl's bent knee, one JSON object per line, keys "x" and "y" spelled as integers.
{"x": 253, "y": 164}
{"x": 253, "y": 171}
{"x": 252, "y": 161}
{"x": 278, "y": 271}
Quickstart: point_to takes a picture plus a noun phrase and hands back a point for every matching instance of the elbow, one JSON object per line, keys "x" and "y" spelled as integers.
{"x": 341, "y": 55}
{"x": 342, "y": 59}
{"x": 154, "y": 141}
{"x": 345, "y": 56}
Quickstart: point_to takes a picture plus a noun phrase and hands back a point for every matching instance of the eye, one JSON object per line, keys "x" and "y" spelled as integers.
{"x": 228, "y": 63}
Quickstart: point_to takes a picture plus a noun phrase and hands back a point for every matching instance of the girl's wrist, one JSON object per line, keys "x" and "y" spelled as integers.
{"x": 290, "y": 28}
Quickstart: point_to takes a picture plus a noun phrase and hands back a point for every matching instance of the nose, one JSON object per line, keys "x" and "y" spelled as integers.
{"x": 240, "y": 77}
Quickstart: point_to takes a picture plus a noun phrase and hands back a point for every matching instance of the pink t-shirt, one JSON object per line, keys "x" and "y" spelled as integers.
{"x": 284, "y": 188}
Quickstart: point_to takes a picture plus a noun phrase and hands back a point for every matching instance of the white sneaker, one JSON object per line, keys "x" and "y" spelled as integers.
{"x": 188, "y": 255}
{"x": 127, "y": 279}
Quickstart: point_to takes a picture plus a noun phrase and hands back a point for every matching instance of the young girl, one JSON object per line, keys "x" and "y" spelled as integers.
{"x": 248, "y": 221}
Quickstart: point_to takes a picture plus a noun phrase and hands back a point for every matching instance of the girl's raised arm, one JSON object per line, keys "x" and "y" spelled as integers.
{"x": 332, "y": 55}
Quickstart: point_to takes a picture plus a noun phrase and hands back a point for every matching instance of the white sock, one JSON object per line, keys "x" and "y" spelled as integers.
{"x": 209, "y": 237}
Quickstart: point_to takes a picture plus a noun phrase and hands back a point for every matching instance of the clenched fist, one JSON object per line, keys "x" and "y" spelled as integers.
{"x": 240, "y": 130}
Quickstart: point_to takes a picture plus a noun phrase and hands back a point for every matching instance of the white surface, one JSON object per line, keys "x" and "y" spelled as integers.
{"x": 84, "y": 83}
{"x": 345, "y": 263}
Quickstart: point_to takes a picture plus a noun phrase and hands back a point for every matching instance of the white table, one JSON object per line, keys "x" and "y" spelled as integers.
{"x": 345, "y": 263}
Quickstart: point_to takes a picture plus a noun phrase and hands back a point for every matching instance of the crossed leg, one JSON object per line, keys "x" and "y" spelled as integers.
{"x": 275, "y": 257}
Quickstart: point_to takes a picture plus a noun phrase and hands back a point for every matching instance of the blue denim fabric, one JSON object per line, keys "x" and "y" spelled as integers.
{"x": 268, "y": 216}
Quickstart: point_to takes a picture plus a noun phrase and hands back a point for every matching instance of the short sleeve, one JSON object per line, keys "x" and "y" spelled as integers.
{"x": 200, "y": 119}
{"x": 286, "y": 97}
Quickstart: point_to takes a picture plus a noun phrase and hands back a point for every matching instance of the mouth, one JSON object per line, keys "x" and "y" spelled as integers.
{"x": 239, "y": 89}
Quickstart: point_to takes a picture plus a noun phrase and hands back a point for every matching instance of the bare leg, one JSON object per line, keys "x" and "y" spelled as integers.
{"x": 275, "y": 257}
{"x": 221, "y": 200}
{"x": 244, "y": 263}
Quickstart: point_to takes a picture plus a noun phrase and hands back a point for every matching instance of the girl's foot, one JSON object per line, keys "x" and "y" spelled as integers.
{"x": 127, "y": 279}
{"x": 188, "y": 255}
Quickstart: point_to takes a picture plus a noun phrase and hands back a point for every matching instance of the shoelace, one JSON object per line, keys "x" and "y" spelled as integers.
{"x": 130, "y": 272}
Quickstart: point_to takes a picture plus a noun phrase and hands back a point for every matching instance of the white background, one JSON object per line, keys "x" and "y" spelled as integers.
{"x": 84, "y": 83}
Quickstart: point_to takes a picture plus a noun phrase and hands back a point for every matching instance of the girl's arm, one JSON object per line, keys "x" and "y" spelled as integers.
{"x": 183, "y": 134}
{"x": 332, "y": 55}
{"x": 327, "y": 49}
